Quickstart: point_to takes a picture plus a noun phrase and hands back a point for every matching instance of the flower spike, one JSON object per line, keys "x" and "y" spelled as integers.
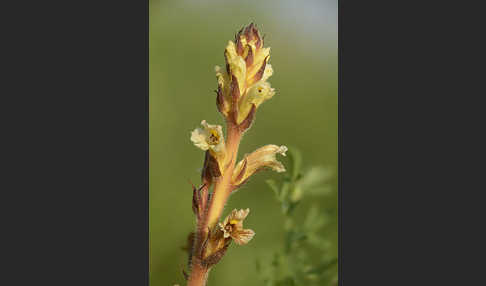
{"x": 242, "y": 88}
{"x": 247, "y": 71}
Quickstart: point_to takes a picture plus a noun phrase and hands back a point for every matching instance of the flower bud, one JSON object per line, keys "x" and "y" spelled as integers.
{"x": 247, "y": 68}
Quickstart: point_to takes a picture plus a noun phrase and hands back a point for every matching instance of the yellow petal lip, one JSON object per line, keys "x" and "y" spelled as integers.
{"x": 198, "y": 137}
{"x": 210, "y": 137}
{"x": 233, "y": 227}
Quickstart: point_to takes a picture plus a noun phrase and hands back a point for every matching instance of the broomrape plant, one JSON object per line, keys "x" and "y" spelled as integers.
{"x": 242, "y": 88}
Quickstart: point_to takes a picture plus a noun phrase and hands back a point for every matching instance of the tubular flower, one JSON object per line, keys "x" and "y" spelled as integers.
{"x": 233, "y": 227}
{"x": 243, "y": 84}
{"x": 211, "y": 138}
{"x": 256, "y": 95}
{"x": 262, "y": 157}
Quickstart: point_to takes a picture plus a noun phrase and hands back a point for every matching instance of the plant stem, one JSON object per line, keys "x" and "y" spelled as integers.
{"x": 221, "y": 192}
{"x": 222, "y": 187}
{"x": 199, "y": 274}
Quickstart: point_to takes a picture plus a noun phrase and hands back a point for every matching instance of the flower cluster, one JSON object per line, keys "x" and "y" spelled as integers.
{"x": 242, "y": 88}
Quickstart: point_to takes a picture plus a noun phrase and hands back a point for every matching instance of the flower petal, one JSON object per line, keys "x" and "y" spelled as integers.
{"x": 236, "y": 64}
{"x": 241, "y": 214}
{"x": 267, "y": 73}
{"x": 243, "y": 236}
{"x": 256, "y": 95}
{"x": 198, "y": 137}
{"x": 259, "y": 159}
{"x": 209, "y": 137}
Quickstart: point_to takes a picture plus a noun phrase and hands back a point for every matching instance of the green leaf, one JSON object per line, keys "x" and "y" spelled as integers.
{"x": 312, "y": 217}
{"x": 284, "y": 192}
{"x": 292, "y": 237}
{"x": 315, "y": 176}
{"x": 295, "y": 158}
{"x": 323, "y": 267}
{"x": 296, "y": 193}
{"x": 319, "y": 191}
{"x": 273, "y": 185}
{"x": 292, "y": 206}
{"x": 305, "y": 242}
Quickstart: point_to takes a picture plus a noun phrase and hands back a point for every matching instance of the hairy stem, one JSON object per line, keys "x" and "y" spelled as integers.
{"x": 221, "y": 192}
{"x": 222, "y": 187}
{"x": 199, "y": 274}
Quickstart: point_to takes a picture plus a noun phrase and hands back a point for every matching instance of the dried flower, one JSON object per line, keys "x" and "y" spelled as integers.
{"x": 262, "y": 157}
{"x": 233, "y": 227}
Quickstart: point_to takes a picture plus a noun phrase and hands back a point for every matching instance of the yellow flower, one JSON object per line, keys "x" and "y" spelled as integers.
{"x": 236, "y": 64}
{"x": 211, "y": 138}
{"x": 247, "y": 64}
{"x": 262, "y": 157}
{"x": 233, "y": 227}
{"x": 256, "y": 95}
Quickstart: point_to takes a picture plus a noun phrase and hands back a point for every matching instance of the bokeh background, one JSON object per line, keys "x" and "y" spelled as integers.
{"x": 187, "y": 39}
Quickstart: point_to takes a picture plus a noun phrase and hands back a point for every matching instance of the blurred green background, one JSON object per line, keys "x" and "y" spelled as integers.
{"x": 187, "y": 39}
